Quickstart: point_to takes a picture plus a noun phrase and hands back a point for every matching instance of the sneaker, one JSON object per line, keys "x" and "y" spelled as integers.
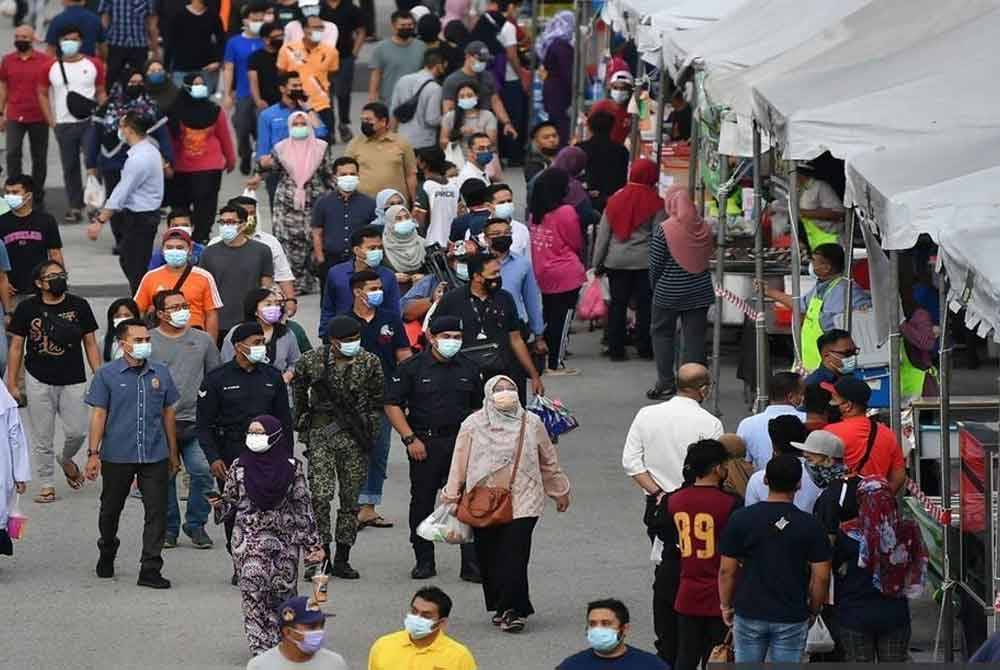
{"x": 498, "y": 618}
{"x": 170, "y": 542}
{"x": 199, "y": 538}
{"x": 512, "y": 623}
{"x": 153, "y": 580}
{"x": 105, "y": 567}
{"x": 346, "y": 134}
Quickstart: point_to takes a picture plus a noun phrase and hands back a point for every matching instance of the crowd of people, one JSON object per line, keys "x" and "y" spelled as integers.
{"x": 439, "y": 310}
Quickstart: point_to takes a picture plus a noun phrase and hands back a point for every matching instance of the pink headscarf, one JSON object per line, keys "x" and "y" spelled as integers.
{"x": 300, "y": 158}
{"x": 688, "y": 236}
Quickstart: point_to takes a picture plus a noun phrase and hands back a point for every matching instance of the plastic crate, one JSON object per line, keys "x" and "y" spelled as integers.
{"x": 878, "y": 379}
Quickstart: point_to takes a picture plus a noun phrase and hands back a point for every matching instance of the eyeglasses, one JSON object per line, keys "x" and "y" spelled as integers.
{"x": 231, "y": 222}
{"x": 845, "y": 354}
{"x": 58, "y": 275}
{"x": 177, "y": 308}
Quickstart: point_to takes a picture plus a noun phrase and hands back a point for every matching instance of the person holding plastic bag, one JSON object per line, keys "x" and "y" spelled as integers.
{"x": 504, "y": 445}
{"x": 15, "y": 466}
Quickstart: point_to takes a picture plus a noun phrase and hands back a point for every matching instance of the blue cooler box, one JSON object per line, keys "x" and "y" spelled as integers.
{"x": 878, "y": 379}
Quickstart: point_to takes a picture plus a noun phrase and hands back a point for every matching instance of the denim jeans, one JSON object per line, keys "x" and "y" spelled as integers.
{"x": 371, "y": 492}
{"x": 754, "y": 640}
{"x": 201, "y": 481}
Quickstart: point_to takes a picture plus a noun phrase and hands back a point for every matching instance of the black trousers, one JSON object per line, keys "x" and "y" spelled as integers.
{"x": 696, "y": 637}
{"x": 426, "y": 478}
{"x": 627, "y": 285}
{"x": 110, "y": 180}
{"x": 668, "y": 576}
{"x": 117, "y": 483}
{"x": 135, "y": 248}
{"x": 38, "y": 139}
{"x": 515, "y": 101}
{"x": 504, "y": 552}
{"x": 120, "y": 57}
{"x": 368, "y": 14}
{"x": 199, "y": 192}
{"x": 556, "y": 308}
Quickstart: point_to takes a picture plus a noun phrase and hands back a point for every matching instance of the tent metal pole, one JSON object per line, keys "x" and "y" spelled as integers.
{"x": 661, "y": 107}
{"x": 579, "y": 81}
{"x": 695, "y": 136}
{"x": 944, "y": 394}
{"x": 793, "y": 220}
{"x": 532, "y": 115}
{"x": 635, "y": 137}
{"x": 849, "y": 269}
{"x": 895, "y": 400}
{"x": 761, "y": 322}
{"x": 720, "y": 279}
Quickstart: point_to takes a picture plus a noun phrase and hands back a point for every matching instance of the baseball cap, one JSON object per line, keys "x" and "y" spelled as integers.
{"x": 822, "y": 442}
{"x": 477, "y": 49}
{"x": 177, "y": 233}
{"x": 620, "y": 77}
{"x": 300, "y": 610}
{"x": 851, "y": 389}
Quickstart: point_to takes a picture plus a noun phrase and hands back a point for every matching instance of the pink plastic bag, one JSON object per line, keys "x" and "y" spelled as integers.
{"x": 592, "y": 306}
{"x": 16, "y": 521}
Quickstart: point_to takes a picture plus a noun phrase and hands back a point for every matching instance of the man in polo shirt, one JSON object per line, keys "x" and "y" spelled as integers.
{"x": 22, "y": 114}
{"x": 881, "y": 456}
{"x": 386, "y": 159}
{"x": 338, "y": 298}
{"x": 423, "y": 637}
{"x": 124, "y": 447}
{"x": 179, "y": 274}
{"x": 338, "y": 215}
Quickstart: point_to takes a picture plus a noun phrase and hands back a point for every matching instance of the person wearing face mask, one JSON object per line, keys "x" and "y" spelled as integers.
{"x": 338, "y": 397}
{"x": 426, "y": 400}
{"x": 264, "y": 76}
{"x": 266, "y": 307}
{"x": 120, "y": 451}
{"x": 399, "y": 55}
{"x": 501, "y": 199}
{"x": 159, "y": 85}
{"x": 120, "y": 310}
{"x": 461, "y": 123}
{"x": 303, "y": 632}
{"x": 265, "y": 496}
{"x": 620, "y": 88}
{"x": 387, "y": 159}
{"x": 78, "y": 13}
{"x": 181, "y": 220}
{"x": 405, "y": 249}
{"x": 295, "y": 29}
{"x": 338, "y": 215}
{"x": 838, "y": 359}
{"x": 189, "y": 355}
{"x": 479, "y": 156}
{"x": 230, "y": 396}
{"x": 366, "y": 245}
{"x": 235, "y": 84}
{"x": 31, "y": 237}
{"x": 519, "y": 281}
{"x": 607, "y": 628}
{"x": 785, "y": 431}
{"x": 133, "y": 33}
{"x": 50, "y": 334}
{"x": 423, "y": 87}
{"x": 424, "y": 638}
{"x": 316, "y": 62}
{"x": 194, "y": 42}
{"x": 180, "y": 274}
{"x": 503, "y": 432}
{"x": 475, "y": 71}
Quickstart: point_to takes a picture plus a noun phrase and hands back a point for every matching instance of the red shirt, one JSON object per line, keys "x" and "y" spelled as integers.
{"x": 23, "y": 76}
{"x": 623, "y": 122}
{"x": 886, "y": 455}
{"x": 700, "y": 514}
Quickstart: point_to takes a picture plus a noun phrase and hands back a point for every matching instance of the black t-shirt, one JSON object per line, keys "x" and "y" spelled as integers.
{"x": 52, "y": 362}
{"x": 347, "y": 17}
{"x": 285, "y": 14}
{"x": 436, "y": 393}
{"x": 837, "y": 503}
{"x": 860, "y": 606}
{"x": 776, "y": 541}
{"x": 265, "y": 64}
{"x": 28, "y": 240}
{"x": 483, "y": 321}
{"x": 680, "y": 123}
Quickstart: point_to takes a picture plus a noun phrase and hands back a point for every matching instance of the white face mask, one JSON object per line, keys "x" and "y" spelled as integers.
{"x": 316, "y": 35}
{"x": 257, "y": 442}
{"x": 619, "y": 95}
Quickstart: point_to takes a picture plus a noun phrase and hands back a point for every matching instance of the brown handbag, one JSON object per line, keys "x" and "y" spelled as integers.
{"x": 723, "y": 653}
{"x": 483, "y": 506}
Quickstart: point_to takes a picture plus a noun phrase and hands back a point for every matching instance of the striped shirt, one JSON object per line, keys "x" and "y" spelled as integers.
{"x": 674, "y": 287}
{"x": 128, "y": 21}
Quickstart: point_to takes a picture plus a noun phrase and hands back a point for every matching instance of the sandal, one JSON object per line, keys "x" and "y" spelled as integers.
{"x": 47, "y": 495}
{"x": 73, "y": 477}
{"x": 375, "y": 522}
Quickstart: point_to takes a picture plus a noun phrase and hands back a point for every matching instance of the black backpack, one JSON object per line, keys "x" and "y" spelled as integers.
{"x": 405, "y": 112}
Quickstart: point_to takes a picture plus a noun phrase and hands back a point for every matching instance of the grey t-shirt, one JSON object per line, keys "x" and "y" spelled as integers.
{"x": 422, "y": 130}
{"x": 188, "y": 358}
{"x": 237, "y": 271}
{"x": 272, "y": 659}
{"x": 396, "y": 60}
{"x": 484, "y": 81}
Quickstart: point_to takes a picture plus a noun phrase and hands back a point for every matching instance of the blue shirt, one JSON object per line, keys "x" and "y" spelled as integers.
{"x": 272, "y": 127}
{"x": 339, "y": 299}
{"x": 519, "y": 280}
{"x": 87, "y": 21}
{"x": 141, "y": 185}
{"x": 156, "y": 260}
{"x": 383, "y": 336}
{"x": 753, "y": 430}
{"x": 833, "y": 301}
{"x": 339, "y": 219}
{"x": 472, "y": 223}
{"x": 238, "y": 52}
{"x": 822, "y": 374}
{"x": 632, "y": 659}
{"x": 128, "y": 21}
{"x": 134, "y": 398}
{"x": 422, "y": 290}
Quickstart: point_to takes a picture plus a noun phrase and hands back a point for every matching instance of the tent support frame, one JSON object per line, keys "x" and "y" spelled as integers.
{"x": 793, "y": 227}
{"x": 761, "y": 322}
{"x": 720, "y": 279}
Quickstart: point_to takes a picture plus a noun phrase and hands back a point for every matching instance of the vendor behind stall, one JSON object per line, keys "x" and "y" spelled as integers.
{"x": 820, "y": 209}
{"x": 824, "y": 302}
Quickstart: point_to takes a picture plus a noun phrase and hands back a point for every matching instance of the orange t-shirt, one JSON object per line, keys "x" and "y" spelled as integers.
{"x": 314, "y": 67}
{"x": 886, "y": 454}
{"x": 199, "y": 290}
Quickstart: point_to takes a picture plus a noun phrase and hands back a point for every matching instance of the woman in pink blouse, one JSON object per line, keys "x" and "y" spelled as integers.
{"x": 485, "y": 451}
{"x": 556, "y": 250}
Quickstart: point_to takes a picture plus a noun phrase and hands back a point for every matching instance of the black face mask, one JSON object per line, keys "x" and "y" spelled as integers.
{"x": 367, "y": 129}
{"x": 405, "y": 33}
{"x": 501, "y": 243}
{"x": 133, "y": 92}
{"x": 276, "y": 44}
{"x": 23, "y": 47}
{"x": 297, "y": 95}
{"x": 550, "y": 152}
{"x": 492, "y": 284}
{"x": 57, "y": 286}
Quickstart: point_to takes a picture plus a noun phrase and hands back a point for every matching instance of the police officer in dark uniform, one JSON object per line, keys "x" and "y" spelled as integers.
{"x": 233, "y": 394}
{"x": 438, "y": 388}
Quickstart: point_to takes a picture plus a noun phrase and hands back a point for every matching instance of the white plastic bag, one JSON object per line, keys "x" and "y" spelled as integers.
{"x": 443, "y": 526}
{"x": 819, "y": 640}
{"x": 93, "y": 193}
{"x": 8, "y": 7}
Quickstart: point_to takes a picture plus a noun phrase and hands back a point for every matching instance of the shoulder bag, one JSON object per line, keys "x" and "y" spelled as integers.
{"x": 872, "y": 433}
{"x": 79, "y": 105}
{"x": 405, "y": 111}
{"x": 484, "y": 505}
{"x": 61, "y": 331}
{"x": 183, "y": 277}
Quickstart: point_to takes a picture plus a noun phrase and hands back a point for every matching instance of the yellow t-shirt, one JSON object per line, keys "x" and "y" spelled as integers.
{"x": 396, "y": 652}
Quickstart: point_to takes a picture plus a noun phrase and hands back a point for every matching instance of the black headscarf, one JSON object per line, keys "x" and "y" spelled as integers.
{"x": 195, "y": 114}
{"x": 548, "y": 193}
{"x": 268, "y": 475}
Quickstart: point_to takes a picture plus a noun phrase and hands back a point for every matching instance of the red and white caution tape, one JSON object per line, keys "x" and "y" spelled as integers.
{"x": 940, "y": 514}
{"x": 737, "y": 301}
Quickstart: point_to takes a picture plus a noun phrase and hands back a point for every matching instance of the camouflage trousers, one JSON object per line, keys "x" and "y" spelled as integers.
{"x": 334, "y": 458}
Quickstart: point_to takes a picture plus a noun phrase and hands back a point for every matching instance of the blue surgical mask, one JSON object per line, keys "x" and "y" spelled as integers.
{"x": 405, "y": 228}
{"x": 299, "y": 132}
{"x": 141, "y": 350}
{"x": 156, "y": 77}
{"x": 175, "y": 258}
{"x": 180, "y": 318}
{"x": 350, "y": 349}
{"x": 14, "y": 200}
{"x": 375, "y": 297}
{"x": 483, "y": 158}
{"x": 199, "y": 91}
{"x": 373, "y": 258}
{"x": 479, "y": 66}
{"x": 69, "y": 47}
{"x": 448, "y": 348}
{"x": 229, "y": 232}
{"x": 849, "y": 364}
{"x": 311, "y": 642}
{"x": 602, "y": 639}
{"x": 619, "y": 95}
{"x": 468, "y": 103}
{"x": 257, "y": 353}
{"x": 348, "y": 183}
{"x": 462, "y": 271}
{"x": 417, "y": 626}
{"x": 505, "y": 210}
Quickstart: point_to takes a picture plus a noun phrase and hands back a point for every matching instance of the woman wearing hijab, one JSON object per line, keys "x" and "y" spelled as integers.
{"x": 574, "y": 161}
{"x": 555, "y": 52}
{"x": 405, "y": 250}
{"x": 160, "y": 86}
{"x": 304, "y": 168}
{"x": 556, "y": 248}
{"x": 622, "y": 251}
{"x": 120, "y": 310}
{"x": 266, "y": 306}
{"x": 607, "y": 161}
{"x": 488, "y": 444}
{"x": 384, "y": 199}
{"x": 267, "y": 499}
{"x": 682, "y": 288}
{"x": 104, "y": 152}
{"x": 203, "y": 147}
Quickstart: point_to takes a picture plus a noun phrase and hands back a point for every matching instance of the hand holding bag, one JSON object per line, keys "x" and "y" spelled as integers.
{"x": 484, "y": 505}
{"x": 723, "y": 653}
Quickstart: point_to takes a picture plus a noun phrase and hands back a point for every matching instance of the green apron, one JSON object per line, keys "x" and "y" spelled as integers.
{"x": 816, "y": 236}
{"x": 811, "y": 329}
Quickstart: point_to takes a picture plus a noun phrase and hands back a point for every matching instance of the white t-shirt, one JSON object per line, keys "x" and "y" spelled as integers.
{"x": 83, "y": 76}
{"x": 272, "y": 659}
{"x": 443, "y": 202}
{"x": 507, "y": 39}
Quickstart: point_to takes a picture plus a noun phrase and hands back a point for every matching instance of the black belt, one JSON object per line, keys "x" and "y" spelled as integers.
{"x": 440, "y": 431}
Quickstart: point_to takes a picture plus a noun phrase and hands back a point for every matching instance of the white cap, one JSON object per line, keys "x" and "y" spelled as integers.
{"x": 622, "y": 76}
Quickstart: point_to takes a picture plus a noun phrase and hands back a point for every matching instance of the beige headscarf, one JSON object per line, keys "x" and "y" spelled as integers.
{"x": 494, "y": 438}
{"x": 405, "y": 254}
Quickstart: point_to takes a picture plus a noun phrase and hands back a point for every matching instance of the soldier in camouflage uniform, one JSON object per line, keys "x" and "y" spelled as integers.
{"x": 338, "y": 391}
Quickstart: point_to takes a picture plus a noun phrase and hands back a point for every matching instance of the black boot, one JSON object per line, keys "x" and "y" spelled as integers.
{"x": 470, "y": 565}
{"x": 106, "y": 559}
{"x": 342, "y": 565}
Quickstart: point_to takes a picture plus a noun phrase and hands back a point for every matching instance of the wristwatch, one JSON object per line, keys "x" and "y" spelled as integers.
{"x": 409, "y": 439}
